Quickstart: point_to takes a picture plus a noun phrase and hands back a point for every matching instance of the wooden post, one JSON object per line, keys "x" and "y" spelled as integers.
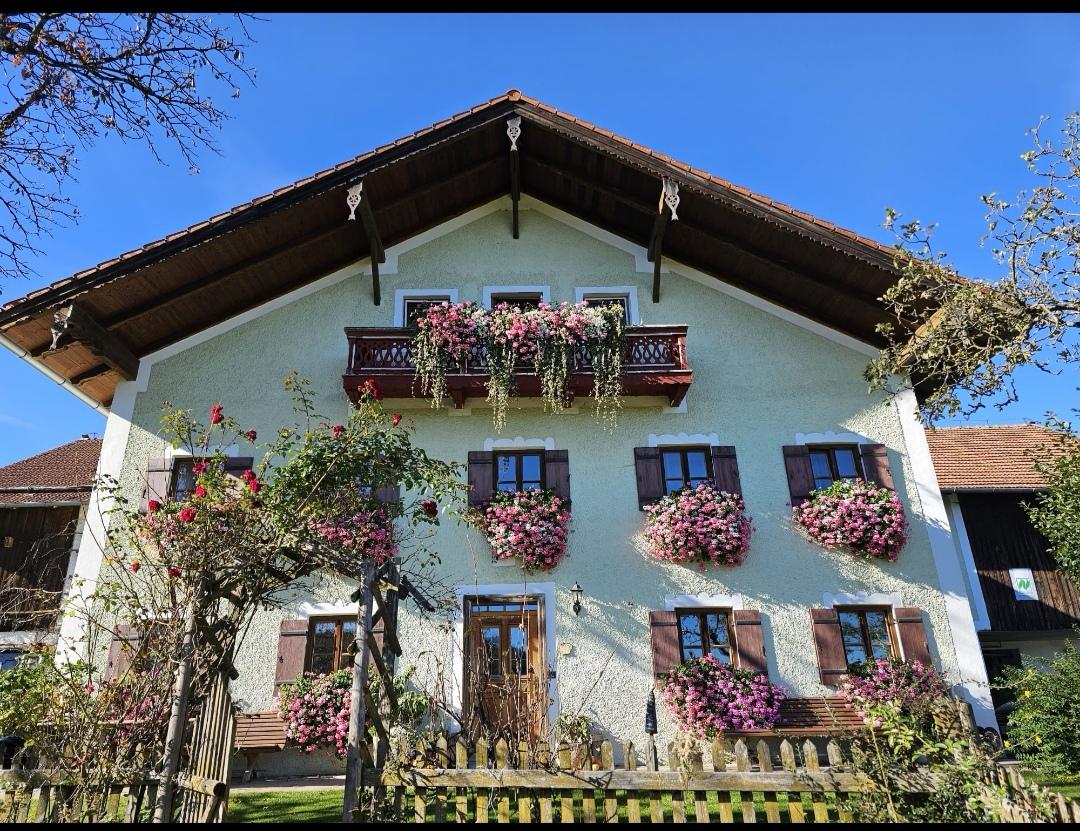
{"x": 358, "y": 699}
{"x": 174, "y": 738}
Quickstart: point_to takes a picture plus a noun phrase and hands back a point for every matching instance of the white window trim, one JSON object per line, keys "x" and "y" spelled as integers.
{"x": 669, "y": 439}
{"x": 544, "y": 590}
{"x": 543, "y": 291}
{"x": 519, "y": 443}
{"x": 831, "y": 438}
{"x": 401, "y": 295}
{"x": 629, "y": 292}
{"x": 232, "y": 452}
{"x": 703, "y": 601}
{"x": 306, "y": 611}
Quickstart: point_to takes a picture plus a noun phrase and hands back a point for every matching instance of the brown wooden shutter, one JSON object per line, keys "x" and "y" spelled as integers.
{"x": 664, "y": 633}
{"x": 158, "y": 482}
{"x": 829, "y": 643}
{"x": 388, "y": 494}
{"x": 650, "y": 475}
{"x": 726, "y": 470}
{"x": 800, "y": 476}
{"x": 912, "y": 633}
{"x": 124, "y": 645}
{"x": 557, "y": 473}
{"x": 481, "y": 477}
{"x": 875, "y": 462}
{"x": 292, "y": 651}
{"x": 750, "y": 640}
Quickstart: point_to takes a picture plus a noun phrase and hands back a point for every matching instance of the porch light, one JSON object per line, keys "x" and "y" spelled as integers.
{"x": 575, "y": 592}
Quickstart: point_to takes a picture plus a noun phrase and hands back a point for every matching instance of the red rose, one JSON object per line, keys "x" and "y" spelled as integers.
{"x": 200, "y": 467}
{"x": 135, "y": 566}
{"x": 152, "y": 505}
{"x": 254, "y": 485}
{"x": 200, "y": 492}
{"x": 371, "y": 388}
{"x": 187, "y": 514}
{"x": 338, "y": 430}
{"x": 395, "y": 419}
{"x": 174, "y": 571}
{"x": 251, "y": 435}
{"x": 430, "y": 506}
{"x": 247, "y": 475}
{"x": 216, "y": 418}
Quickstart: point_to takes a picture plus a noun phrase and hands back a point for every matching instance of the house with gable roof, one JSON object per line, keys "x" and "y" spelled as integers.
{"x": 748, "y": 325}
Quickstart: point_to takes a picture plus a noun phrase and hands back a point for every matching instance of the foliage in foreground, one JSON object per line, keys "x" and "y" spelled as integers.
{"x": 1045, "y": 725}
{"x": 1055, "y": 512}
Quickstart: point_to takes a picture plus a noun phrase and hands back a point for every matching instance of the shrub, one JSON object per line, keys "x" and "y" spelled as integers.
{"x": 1045, "y": 724}
{"x": 861, "y": 518}
{"x": 707, "y": 697}
{"x": 700, "y": 525}
{"x": 531, "y": 524}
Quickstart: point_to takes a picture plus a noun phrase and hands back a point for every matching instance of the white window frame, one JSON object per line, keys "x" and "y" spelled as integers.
{"x": 401, "y": 295}
{"x": 543, "y": 291}
{"x": 628, "y": 292}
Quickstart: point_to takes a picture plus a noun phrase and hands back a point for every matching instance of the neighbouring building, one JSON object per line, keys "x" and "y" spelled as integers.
{"x": 1022, "y": 603}
{"x": 43, "y": 501}
{"x": 750, "y": 324}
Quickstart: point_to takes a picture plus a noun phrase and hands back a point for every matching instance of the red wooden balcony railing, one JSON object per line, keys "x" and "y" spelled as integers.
{"x": 654, "y": 363}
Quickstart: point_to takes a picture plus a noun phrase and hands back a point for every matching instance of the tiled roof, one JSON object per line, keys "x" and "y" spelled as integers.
{"x": 993, "y": 457}
{"x": 512, "y": 95}
{"x": 39, "y": 477}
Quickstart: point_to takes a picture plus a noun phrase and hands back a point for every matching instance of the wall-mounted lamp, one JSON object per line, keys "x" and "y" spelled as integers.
{"x": 575, "y": 592}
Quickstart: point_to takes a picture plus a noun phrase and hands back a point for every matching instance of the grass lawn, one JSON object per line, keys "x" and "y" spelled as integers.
{"x": 1067, "y": 786}
{"x": 286, "y": 805}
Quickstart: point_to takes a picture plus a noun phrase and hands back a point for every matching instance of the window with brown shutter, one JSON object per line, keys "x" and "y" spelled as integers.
{"x": 834, "y": 463}
{"x": 800, "y": 475}
{"x": 867, "y": 633}
{"x": 292, "y": 651}
{"x": 750, "y": 640}
{"x": 706, "y": 631}
{"x": 557, "y": 473}
{"x": 481, "y": 477}
{"x": 725, "y": 470}
{"x": 829, "y": 646}
{"x": 650, "y": 477}
{"x": 875, "y": 462}
{"x": 158, "y": 482}
{"x": 664, "y": 637}
{"x": 912, "y": 633}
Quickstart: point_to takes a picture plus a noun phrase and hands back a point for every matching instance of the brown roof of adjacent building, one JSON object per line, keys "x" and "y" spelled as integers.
{"x": 63, "y": 474}
{"x": 994, "y": 457}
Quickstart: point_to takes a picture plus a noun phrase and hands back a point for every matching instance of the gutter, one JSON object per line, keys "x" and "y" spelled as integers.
{"x": 48, "y": 489}
{"x": 53, "y": 376}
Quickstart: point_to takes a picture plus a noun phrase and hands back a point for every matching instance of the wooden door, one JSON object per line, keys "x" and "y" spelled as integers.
{"x": 505, "y": 669}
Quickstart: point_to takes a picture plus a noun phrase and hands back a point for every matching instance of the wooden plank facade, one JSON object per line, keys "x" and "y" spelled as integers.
{"x": 1002, "y": 537}
{"x": 35, "y": 546}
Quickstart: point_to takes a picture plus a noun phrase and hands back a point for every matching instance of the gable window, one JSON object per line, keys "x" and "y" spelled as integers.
{"x": 519, "y": 471}
{"x": 834, "y": 463}
{"x": 684, "y": 466}
{"x": 706, "y": 631}
{"x": 330, "y": 644}
{"x": 867, "y": 633}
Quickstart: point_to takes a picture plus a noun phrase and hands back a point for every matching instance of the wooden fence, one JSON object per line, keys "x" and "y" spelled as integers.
{"x": 35, "y": 801}
{"x": 788, "y": 782}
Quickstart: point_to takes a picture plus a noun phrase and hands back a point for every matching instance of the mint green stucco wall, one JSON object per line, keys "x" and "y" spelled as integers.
{"x": 758, "y": 381}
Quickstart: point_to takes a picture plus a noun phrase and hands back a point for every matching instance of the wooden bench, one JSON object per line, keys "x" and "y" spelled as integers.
{"x": 817, "y": 719}
{"x": 258, "y": 733}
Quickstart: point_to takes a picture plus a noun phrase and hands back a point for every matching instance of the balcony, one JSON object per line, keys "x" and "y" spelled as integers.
{"x": 654, "y": 364}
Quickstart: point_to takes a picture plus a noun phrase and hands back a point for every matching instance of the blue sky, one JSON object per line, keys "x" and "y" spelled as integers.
{"x": 836, "y": 115}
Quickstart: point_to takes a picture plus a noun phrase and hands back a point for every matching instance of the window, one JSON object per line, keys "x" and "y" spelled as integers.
{"x": 867, "y": 634}
{"x": 330, "y": 644}
{"x": 834, "y": 463}
{"x": 684, "y": 466}
{"x": 520, "y": 299}
{"x": 519, "y": 471}
{"x": 620, "y": 300}
{"x": 9, "y": 658}
{"x": 706, "y": 630}
{"x": 183, "y": 478}
{"x": 416, "y": 307}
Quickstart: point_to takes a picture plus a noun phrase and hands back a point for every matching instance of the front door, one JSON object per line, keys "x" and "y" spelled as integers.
{"x": 505, "y": 668}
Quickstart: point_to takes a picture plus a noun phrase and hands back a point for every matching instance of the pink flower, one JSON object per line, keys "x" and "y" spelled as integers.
{"x": 200, "y": 492}
{"x": 370, "y": 387}
{"x": 135, "y": 566}
{"x": 253, "y": 485}
{"x": 395, "y": 419}
{"x": 200, "y": 467}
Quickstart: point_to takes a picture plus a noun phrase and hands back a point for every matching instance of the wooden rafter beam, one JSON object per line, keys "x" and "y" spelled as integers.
{"x": 513, "y": 131}
{"x": 356, "y": 201}
{"x": 75, "y": 323}
{"x": 666, "y": 212}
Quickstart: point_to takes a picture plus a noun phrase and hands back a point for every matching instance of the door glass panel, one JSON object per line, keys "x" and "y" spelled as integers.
{"x": 877, "y": 624}
{"x": 695, "y": 462}
{"x": 719, "y": 645}
{"x": 519, "y": 650}
{"x": 530, "y": 471}
{"x": 851, "y": 628}
{"x": 491, "y": 638}
{"x": 845, "y": 463}
{"x": 690, "y": 636}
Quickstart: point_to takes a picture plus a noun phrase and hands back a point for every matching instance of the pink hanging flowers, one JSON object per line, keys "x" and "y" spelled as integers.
{"x": 912, "y": 687}
{"x": 531, "y": 524}
{"x": 369, "y": 534}
{"x": 707, "y": 697}
{"x": 701, "y": 525}
{"x": 861, "y": 518}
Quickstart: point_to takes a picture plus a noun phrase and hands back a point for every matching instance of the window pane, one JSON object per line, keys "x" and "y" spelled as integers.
{"x": 877, "y": 623}
{"x": 348, "y": 635}
{"x": 673, "y": 465}
{"x": 490, "y": 635}
{"x": 183, "y": 479}
{"x": 323, "y": 638}
{"x": 602, "y": 300}
{"x": 698, "y": 467}
{"x": 690, "y": 635}
{"x": 415, "y": 309}
{"x": 9, "y": 658}
{"x": 845, "y": 463}
{"x": 851, "y": 628}
{"x": 530, "y": 471}
{"x": 528, "y": 301}
{"x": 519, "y": 651}
{"x": 819, "y": 462}
{"x": 507, "y": 471}
{"x": 719, "y": 645}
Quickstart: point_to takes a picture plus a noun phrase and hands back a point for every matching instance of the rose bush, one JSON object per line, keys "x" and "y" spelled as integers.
{"x": 707, "y": 697}
{"x": 861, "y": 518}
{"x": 911, "y": 687}
{"x": 700, "y": 525}
{"x": 532, "y": 525}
